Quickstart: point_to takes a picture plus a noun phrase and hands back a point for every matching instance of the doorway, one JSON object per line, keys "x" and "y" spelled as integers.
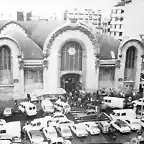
{"x": 71, "y": 81}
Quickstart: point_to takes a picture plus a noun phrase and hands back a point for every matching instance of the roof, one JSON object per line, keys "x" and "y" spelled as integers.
{"x": 27, "y": 103}
{"x": 107, "y": 44}
{"x": 122, "y": 3}
{"x": 29, "y": 48}
{"x": 38, "y": 32}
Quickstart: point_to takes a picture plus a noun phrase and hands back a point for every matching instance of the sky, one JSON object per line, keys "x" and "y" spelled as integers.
{"x": 48, "y": 7}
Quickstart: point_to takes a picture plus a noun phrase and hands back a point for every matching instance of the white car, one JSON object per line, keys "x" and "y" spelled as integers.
{"x": 121, "y": 125}
{"x": 2, "y": 122}
{"x": 65, "y": 132}
{"x": 134, "y": 124}
{"x": 58, "y": 116}
{"x": 36, "y": 124}
{"x": 50, "y": 133}
{"x": 65, "y": 122}
{"x": 36, "y": 137}
{"x": 79, "y": 130}
{"x": 7, "y": 111}
{"x": 92, "y": 128}
{"x": 138, "y": 102}
{"x": 60, "y": 140}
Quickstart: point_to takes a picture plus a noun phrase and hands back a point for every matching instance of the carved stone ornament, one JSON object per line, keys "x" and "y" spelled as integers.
{"x": 21, "y": 64}
{"x": 118, "y": 63}
{"x": 45, "y": 63}
{"x": 80, "y": 28}
{"x": 97, "y": 63}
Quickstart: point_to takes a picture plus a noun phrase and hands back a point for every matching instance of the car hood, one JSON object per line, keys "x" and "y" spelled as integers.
{"x": 125, "y": 128}
{"x": 38, "y": 139}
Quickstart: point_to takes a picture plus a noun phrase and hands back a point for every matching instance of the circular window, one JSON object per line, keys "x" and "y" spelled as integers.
{"x": 71, "y": 51}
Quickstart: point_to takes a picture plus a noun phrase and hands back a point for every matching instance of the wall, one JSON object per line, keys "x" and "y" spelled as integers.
{"x": 105, "y": 78}
{"x": 139, "y": 48}
{"x": 133, "y": 24}
{"x": 16, "y": 89}
{"x": 33, "y": 79}
{"x": 52, "y": 76}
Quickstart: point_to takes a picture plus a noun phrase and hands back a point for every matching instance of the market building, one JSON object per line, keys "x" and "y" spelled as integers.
{"x": 48, "y": 55}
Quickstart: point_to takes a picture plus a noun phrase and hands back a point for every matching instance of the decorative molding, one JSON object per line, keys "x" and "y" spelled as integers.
{"x": 97, "y": 63}
{"x": 21, "y": 61}
{"x": 45, "y": 63}
{"x": 80, "y": 28}
{"x": 21, "y": 64}
{"x": 120, "y": 56}
{"x": 118, "y": 64}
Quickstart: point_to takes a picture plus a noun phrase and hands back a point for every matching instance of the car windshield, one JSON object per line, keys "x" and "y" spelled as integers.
{"x": 122, "y": 124}
{"x": 94, "y": 126}
{"x": 7, "y": 110}
{"x": 65, "y": 130}
{"x": 59, "y": 116}
{"x": 35, "y": 134}
{"x": 53, "y": 133}
{"x": 65, "y": 122}
{"x": 135, "y": 123}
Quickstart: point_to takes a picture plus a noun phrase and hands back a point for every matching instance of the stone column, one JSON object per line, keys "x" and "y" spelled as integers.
{"x": 59, "y": 70}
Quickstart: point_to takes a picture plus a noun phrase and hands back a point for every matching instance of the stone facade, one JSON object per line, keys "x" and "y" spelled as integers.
{"x": 50, "y": 63}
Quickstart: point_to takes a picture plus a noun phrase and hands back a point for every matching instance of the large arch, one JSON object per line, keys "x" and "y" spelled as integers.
{"x": 53, "y": 45}
{"x": 17, "y": 86}
{"x": 122, "y": 55}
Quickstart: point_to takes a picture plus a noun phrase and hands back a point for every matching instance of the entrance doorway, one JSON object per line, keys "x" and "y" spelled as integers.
{"x": 70, "y": 82}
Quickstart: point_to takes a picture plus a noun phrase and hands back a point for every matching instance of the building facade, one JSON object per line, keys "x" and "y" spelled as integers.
{"x": 117, "y": 18}
{"x": 89, "y": 16}
{"x": 48, "y": 55}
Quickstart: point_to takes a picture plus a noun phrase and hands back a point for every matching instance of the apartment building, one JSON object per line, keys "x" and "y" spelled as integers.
{"x": 89, "y": 16}
{"x": 117, "y": 18}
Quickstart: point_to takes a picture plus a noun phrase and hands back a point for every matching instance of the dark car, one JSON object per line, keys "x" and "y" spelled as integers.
{"x": 16, "y": 110}
{"x": 89, "y": 115}
{"x": 104, "y": 117}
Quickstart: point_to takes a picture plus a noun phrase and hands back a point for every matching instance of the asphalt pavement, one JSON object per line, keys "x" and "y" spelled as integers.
{"x": 102, "y": 138}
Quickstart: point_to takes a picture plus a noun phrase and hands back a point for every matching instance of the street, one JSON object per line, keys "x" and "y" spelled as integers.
{"x": 102, "y": 138}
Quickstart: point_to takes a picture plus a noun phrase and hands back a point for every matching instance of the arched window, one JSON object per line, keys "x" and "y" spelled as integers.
{"x": 5, "y": 65}
{"x": 130, "y": 64}
{"x": 71, "y": 56}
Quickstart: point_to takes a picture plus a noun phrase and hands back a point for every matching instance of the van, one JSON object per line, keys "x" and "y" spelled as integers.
{"x": 47, "y": 106}
{"x": 113, "y": 102}
{"x": 62, "y": 106}
{"x": 28, "y": 108}
{"x": 104, "y": 126}
{"x": 123, "y": 114}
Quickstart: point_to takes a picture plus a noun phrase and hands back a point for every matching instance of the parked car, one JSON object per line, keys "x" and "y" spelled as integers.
{"x": 104, "y": 117}
{"x": 16, "y": 110}
{"x": 64, "y": 122}
{"x": 8, "y": 112}
{"x": 92, "y": 128}
{"x": 138, "y": 102}
{"x": 36, "y": 137}
{"x": 79, "y": 130}
{"x": 50, "y": 133}
{"x": 121, "y": 125}
{"x": 65, "y": 132}
{"x": 88, "y": 115}
{"x": 60, "y": 140}
{"x": 57, "y": 116}
{"x": 134, "y": 124}
{"x": 104, "y": 126}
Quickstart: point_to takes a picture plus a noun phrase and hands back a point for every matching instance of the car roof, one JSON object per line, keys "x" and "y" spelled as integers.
{"x": 109, "y": 98}
{"x": 27, "y": 104}
{"x": 123, "y": 110}
{"x": 91, "y": 110}
{"x": 35, "y": 132}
